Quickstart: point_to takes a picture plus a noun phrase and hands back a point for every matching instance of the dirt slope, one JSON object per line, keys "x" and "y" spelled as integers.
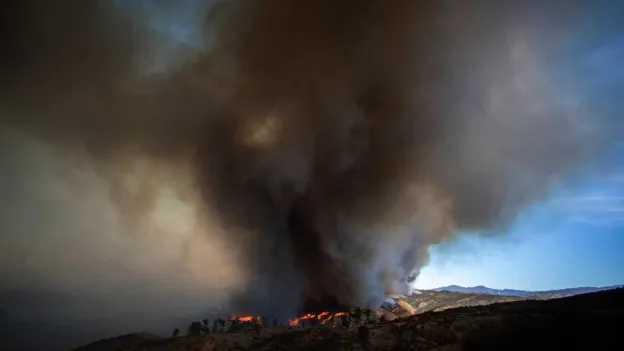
{"x": 430, "y": 300}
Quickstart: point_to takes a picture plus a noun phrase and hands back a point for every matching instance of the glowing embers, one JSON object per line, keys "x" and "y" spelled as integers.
{"x": 321, "y": 318}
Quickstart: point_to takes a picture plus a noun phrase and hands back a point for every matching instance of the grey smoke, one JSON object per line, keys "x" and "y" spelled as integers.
{"x": 311, "y": 148}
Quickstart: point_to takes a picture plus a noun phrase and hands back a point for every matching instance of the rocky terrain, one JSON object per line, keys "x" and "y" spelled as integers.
{"x": 583, "y": 322}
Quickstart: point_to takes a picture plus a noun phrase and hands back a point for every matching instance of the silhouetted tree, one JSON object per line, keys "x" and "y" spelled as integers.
{"x": 275, "y": 322}
{"x": 235, "y": 325}
{"x": 345, "y": 320}
{"x": 367, "y": 313}
{"x": 383, "y": 318}
{"x": 205, "y": 329}
{"x": 176, "y": 331}
{"x": 214, "y": 326}
{"x": 356, "y": 315}
{"x": 194, "y": 328}
{"x": 258, "y": 328}
{"x": 222, "y": 322}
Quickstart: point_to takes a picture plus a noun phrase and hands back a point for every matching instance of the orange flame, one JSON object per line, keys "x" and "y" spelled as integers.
{"x": 246, "y": 319}
{"x": 324, "y": 317}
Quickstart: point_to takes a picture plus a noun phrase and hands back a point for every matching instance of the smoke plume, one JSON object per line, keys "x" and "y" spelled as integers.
{"x": 315, "y": 147}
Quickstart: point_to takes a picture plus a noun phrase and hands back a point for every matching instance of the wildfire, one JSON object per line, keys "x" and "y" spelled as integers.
{"x": 324, "y": 317}
{"x": 246, "y": 319}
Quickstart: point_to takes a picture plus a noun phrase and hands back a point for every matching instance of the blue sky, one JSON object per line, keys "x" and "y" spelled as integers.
{"x": 573, "y": 238}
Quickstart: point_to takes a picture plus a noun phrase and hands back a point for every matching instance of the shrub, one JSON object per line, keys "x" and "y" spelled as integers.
{"x": 194, "y": 329}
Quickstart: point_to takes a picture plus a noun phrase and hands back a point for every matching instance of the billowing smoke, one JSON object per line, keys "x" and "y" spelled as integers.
{"x": 316, "y": 147}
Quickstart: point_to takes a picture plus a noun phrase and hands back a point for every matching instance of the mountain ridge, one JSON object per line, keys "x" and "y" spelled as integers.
{"x": 481, "y": 289}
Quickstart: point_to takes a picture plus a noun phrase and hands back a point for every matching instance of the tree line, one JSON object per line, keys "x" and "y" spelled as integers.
{"x": 355, "y": 317}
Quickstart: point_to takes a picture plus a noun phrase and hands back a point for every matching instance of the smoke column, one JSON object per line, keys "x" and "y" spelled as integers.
{"x": 320, "y": 146}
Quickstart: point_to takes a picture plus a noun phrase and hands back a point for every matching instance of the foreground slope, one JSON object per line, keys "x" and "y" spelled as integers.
{"x": 589, "y": 322}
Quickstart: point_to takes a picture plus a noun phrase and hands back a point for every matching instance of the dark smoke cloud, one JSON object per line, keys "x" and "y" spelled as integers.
{"x": 322, "y": 146}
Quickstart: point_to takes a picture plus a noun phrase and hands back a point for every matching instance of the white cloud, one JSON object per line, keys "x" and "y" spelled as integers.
{"x": 595, "y": 209}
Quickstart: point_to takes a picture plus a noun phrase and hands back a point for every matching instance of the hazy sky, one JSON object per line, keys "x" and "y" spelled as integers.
{"x": 575, "y": 237}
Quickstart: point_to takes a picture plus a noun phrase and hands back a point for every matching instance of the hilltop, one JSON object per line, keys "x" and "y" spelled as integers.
{"x": 431, "y": 300}
{"x": 588, "y": 321}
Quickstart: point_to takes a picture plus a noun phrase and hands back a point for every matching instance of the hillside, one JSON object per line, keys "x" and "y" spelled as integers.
{"x": 589, "y": 321}
{"x": 431, "y": 300}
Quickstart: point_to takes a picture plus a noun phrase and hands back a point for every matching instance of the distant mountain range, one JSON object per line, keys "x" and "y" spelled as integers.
{"x": 547, "y": 294}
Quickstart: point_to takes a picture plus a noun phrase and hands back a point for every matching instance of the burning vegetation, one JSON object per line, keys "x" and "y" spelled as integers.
{"x": 320, "y": 318}
{"x": 247, "y": 319}
{"x": 248, "y": 323}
